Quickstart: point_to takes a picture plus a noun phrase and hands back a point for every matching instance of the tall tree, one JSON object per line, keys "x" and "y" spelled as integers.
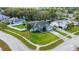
{"x": 28, "y": 28}
{"x": 41, "y": 15}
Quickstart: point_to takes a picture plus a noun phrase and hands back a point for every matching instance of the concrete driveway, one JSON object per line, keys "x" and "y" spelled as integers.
{"x": 13, "y": 43}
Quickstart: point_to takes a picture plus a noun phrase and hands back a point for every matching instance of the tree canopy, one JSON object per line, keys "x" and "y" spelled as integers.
{"x": 39, "y": 13}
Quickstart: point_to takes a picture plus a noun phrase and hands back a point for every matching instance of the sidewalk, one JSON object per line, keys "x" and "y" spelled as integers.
{"x": 65, "y": 32}
{"x": 68, "y": 45}
{"x": 58, "y": 35}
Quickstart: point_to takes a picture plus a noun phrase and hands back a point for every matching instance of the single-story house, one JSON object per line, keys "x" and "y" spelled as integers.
{"x": 60, "y": 23}
{"x": 40, "y": 26}
{"x": 15, "y": 20}
{"x": 2, "y": 17}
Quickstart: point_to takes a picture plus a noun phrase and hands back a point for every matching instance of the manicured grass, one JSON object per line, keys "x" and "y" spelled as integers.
{"x": 20, "y": 26}
{"x": 20, "y": 38}
{"x": 43, "y": 37}
{"x": 37, "y": 38}
{"x": 4, "y": 46}
{"x": 73, "y": 29}
{"x": 52, "y": 45}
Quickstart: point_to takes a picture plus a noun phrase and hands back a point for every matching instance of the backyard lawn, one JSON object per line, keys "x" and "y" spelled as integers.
{"x": 43, "y": 38}
{"x": 73, "y": 29}
{"x": 20, "y": 26}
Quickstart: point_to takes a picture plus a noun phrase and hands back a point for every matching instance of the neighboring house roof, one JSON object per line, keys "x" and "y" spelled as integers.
{"x": 39, "y": 25}
{"x": 54, "y": 24}
{"x": 62, "y": 23}
{"x": 15, "y": 19}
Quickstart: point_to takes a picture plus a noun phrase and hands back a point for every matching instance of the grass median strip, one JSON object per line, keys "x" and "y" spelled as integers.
{"x": 77, "y": 33}
{"x": 4, "y": 46}
{"x": 52, "y": 45}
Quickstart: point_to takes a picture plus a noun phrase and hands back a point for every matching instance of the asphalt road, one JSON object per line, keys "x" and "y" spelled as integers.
{"x": 69, "y": 45}
{"x": 13, "y": 43}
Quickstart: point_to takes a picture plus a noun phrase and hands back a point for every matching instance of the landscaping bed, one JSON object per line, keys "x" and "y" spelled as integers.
{"x": 4, "y": 46}
{"x": 52, "y": 45}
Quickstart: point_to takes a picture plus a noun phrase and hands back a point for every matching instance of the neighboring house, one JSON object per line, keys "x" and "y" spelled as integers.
{"x": 2, "y": 17}
{"x": 40, "y": 26}
{"x": 60, "y": 15}
{"x": 7, "y": 19}
{"x": 15, "y": 20}
{"x": 60, "y": 23}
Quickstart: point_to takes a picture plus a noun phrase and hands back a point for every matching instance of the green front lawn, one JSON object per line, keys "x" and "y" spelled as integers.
{"x": 43, "y": 38}
{"x": 20, "y": 26}
{"x": 52, "y": 45}
{"x": 73, "y": 29}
